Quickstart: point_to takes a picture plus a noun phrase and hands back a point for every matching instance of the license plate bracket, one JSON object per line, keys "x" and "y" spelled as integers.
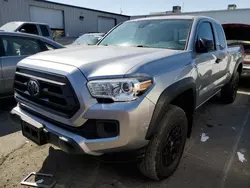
{"x": 36, "y": 134}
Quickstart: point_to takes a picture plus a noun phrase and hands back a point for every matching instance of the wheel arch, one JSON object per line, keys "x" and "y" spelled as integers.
{"x": 171, "y": 95}
{"x": 238, "y": 67}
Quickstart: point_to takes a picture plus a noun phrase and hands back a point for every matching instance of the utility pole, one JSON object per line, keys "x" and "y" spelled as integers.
{"x": 121, "y": 10}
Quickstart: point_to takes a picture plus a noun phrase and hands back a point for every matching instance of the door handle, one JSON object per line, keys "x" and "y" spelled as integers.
{"x": 218, "y": 60}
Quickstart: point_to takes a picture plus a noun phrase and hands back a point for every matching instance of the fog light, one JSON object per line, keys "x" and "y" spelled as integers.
{"x": 107, "y": 129}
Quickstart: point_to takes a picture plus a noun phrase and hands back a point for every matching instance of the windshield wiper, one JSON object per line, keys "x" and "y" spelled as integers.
{"x": 139, "y": 46}
{"x": 142, "y": 46}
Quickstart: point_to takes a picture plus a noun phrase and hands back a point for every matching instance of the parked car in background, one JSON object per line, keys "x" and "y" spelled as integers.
{"x": 88, "y": 39}
{"x": 246, "y": 51}
{"x": 239, "y": 35}
{"x": 137, "y": 90}
{"x": 15, "y": 47}
{"x": 28, "y": 27}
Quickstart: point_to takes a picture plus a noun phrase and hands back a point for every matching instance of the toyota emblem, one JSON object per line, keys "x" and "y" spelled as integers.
{"x": 33, "y": 88}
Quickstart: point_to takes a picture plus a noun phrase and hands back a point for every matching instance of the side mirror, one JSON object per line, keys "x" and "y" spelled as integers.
{"x": 204, "y": 45}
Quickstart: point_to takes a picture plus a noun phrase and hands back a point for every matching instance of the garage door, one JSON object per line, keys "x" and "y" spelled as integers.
{"x": 54, "y": 18}
{"x": 105, "y": 24}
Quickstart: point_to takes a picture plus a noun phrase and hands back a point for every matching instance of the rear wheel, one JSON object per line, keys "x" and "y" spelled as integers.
{"x": 229, "y": 91}
{"x": 165, "y": 149}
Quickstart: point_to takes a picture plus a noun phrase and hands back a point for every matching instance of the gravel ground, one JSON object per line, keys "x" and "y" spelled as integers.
{"x": 213, "y": 163}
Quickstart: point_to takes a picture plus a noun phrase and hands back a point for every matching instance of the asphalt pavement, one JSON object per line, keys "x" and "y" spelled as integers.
{"x": 221, "y": 160}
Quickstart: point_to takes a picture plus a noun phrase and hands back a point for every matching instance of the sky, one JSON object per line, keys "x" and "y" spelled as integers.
{"x": 140, "y": 7}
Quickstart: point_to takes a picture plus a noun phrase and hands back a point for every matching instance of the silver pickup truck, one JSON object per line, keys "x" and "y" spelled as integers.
{"x": 136, "y": 90}
{"x": 34, "y": 28}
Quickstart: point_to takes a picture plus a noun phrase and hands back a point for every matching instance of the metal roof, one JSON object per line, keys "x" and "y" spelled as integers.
{"x": 181, "y": 17}
{"x": 224, "y": 10}
{"x": 80, "y": 7}
{"x": 169, "y": 13}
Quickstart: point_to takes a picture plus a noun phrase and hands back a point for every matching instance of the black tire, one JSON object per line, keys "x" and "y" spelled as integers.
{"x": 229, "y": 91}
{"x": 156, "y": 164}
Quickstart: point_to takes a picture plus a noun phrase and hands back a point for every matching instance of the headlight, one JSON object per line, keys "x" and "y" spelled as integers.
{"x": 127, "y": 89}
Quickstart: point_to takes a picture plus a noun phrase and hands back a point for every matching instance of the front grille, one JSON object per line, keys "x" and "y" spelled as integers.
{"x": 56, "y": 93}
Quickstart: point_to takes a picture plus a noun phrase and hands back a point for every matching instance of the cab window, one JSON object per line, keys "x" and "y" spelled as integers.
{"x": 206, "y": 32}
{"x": 44, "y": 30}
{"x": 29, "y": 28}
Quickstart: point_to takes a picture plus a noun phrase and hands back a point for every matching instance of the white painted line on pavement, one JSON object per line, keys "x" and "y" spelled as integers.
{"x": 244, "y": 92}
{"x": 231, "y": 158}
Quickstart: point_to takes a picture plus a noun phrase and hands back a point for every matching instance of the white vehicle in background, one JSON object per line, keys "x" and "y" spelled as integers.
{"x": 239, "y": 35}
{"x": 40, "y": 29}
{"x": 88, "y": 39}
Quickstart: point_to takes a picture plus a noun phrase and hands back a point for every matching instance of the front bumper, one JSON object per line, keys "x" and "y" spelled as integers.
{"x": 64, "y": 139}
{"x": 133, "y": 117}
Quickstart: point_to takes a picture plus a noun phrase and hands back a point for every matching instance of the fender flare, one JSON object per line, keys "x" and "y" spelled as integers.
{"x": 238, "y": 63}
{"x": 164, "y": 100}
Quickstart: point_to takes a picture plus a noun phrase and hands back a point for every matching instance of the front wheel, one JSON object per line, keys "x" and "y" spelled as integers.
{"x": 165, "y": 149}
{"x": 229, "y": 91}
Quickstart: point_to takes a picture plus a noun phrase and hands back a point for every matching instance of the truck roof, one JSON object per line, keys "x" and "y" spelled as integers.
{"x": 22, "y": 22}
{"x": 12, "y": 26}
{"x": 187, "y": 17}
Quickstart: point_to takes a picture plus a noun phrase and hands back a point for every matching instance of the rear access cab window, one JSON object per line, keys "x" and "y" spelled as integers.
{"x": 221, "y": 37}
{"x": 44, "y": 30}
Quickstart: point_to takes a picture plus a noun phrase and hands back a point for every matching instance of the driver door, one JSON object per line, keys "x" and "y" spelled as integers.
{"x": 206, "y": 65}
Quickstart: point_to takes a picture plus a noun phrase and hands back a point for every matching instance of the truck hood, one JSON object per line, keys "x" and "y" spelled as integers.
{"x": 102, "y": 61}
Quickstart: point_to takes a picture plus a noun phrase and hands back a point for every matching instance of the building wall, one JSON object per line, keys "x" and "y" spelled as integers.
{"x": 227, "y": 16}
{"x": 18, "y": 10}
{"x": 223, "y": 16}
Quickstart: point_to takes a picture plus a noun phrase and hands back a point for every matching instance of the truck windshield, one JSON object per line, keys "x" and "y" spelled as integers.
{"x": 11, "y": 26}
{"x": 167, "y": 34}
